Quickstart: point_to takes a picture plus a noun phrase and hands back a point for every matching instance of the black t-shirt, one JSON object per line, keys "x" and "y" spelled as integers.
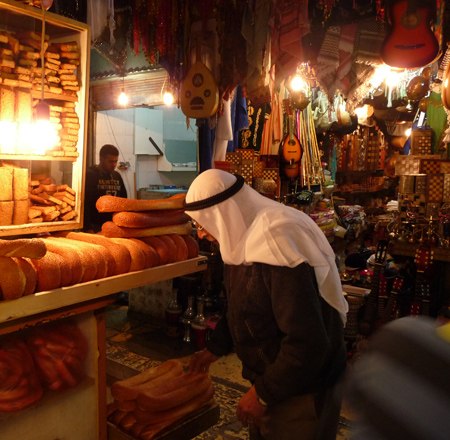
{"x": 99, "y": 183}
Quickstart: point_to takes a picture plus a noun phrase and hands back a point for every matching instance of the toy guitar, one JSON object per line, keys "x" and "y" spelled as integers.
{"x": 411, "y": 42}
{"x": 422, "y": 260}
{"x": 367, "y": 325}
{"x": 391, "y": 304}
{"x": 290, "y": 147}
{"x": 199, "y": 96}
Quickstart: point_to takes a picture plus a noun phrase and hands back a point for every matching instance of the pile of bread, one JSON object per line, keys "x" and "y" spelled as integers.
{"x": 13, "y": 195}
{"x": 49, "y": 202}
{"x": 21, "y": 71}
{"x": 68, "y": 258}
{"x": 158, "y": 398}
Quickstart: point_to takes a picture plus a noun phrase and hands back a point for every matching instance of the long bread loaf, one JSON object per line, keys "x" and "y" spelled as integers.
{"x": 30, "y": 275}
{"x": 192, "y": 245}
{"x": 176, "y": 412}
{"x": 86, "y": 255}
{"x": 171, "y": 246}
{"x": 136, "y": 253}
{"x": 110, "y": 229}
{"x": 12, "y": 280}
{"x": 120, "y": 254}
{"x": 48, "y": 272}
{"x": 149, "y": 219}
{"x": 129, "y": 389}
{"x": 160, "y": 247}
{"x": 173, "y": 392}
{"x": 151, "y": 256}
{"x": 72, "y": 256}
{"x": 23, "y": 247}
{"x": 117, "y": 204}
{"x": 182, "y": 249}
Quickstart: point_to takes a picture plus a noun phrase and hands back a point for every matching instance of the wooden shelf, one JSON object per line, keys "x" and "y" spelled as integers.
{"x": 37, "y": 228}
{"x": 409, "y": 250}
{"x": 37, "y": 157}
{"x": 79, "y": 293}
{"x": 37, "y": 94}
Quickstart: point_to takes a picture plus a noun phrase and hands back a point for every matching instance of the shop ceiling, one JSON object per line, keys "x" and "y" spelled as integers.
{"x": 239, "y": 41}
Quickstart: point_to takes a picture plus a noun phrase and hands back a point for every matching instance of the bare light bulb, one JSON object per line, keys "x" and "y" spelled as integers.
{"x": 168, "y": 98}
{"x": 408, "y": 132}
{"x": 123, "y": 99}
{"x": 297, "y": 84}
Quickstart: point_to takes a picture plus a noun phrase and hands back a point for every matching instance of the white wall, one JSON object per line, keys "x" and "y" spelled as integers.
{"x": 117, "y": 127}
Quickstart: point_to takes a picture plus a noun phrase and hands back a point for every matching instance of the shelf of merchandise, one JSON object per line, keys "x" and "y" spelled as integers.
{"x": 85, "y": 303}
{"x": 16, "y": 16}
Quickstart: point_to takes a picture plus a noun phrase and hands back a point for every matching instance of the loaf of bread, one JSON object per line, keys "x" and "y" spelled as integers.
{"x": 6, "y": 184}
{"x": 129, "y": 389}
{"x": 20, "y": 213}
{"x": 173, "y": 392}
{"x": 120, "y": 254}
{"x": 87, "y": 256}
{"x": 150, "y": 219}
{"x": 171, "y": 246}
{"x": 30, "y": 275}
{"x": 192, "y": 245}
{"x": 182, "y": 249}
{"x": 65, "y": 268}
{"x": 23, "y": 247}
{"x": 12, "y": 280}
{"x": 6, "y": 213}
{"x": 151, "y": 256}
{"x": 136, "y": 253}
{"x": 117, "y": 204}
{"x": 177, "y": 412}
{"x": 160, "y": 247}
{"x": 72, "y": 256}
{"x": 48, "y": 272}
{"x": 110, "y": 229}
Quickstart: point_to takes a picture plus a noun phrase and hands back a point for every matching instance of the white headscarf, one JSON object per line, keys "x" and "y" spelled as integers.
{"x": 251, "y": 228}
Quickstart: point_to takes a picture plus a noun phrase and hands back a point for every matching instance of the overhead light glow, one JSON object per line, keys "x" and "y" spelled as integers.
{"x": 298, "y": 84}
{"x": 123, "y": 99}
{"x": 168, "y": 98}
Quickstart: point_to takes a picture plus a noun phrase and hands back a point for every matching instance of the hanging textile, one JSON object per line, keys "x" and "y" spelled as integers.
{"x": 436, "y": 119}
{"x": 289, "y": 24}
{"x": 239, "y": 117}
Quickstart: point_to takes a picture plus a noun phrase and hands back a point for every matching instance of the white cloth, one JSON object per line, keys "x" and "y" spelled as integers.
{"x": 251, "y": 228}
{"x": 224, "y": 133}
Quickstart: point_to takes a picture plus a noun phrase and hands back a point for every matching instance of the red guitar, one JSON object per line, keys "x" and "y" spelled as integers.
{"x": 411, "y": 43}
{"x": 391, "y": 305}
{"x": 368, "y": 323}
{"x": 290, "y": 148}
{"x": 422, "y": 260}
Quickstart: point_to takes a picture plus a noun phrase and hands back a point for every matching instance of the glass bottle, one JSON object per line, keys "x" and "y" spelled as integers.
{"x": 173, "y": 314}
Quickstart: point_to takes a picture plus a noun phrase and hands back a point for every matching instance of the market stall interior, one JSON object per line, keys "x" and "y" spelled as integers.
{"x": 337, "y": 109}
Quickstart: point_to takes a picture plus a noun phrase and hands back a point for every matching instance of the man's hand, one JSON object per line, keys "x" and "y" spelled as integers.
{"x": 249, "y": 411}
{"x": 201, "y": 361}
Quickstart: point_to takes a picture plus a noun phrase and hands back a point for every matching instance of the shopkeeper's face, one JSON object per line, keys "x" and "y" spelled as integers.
{"x": 203, "y": 233}
{"x": 108, "y": 163}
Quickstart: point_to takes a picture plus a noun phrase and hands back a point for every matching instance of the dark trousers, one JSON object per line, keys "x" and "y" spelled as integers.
{"x": 306, "y": 417}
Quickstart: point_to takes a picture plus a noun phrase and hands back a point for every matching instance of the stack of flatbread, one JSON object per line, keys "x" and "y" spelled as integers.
{"x": 50, "y": 202}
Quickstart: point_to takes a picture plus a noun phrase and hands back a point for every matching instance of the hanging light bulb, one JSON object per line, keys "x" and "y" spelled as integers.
{"x": 123, "y": 98}
{"x": 168, "y": 98}
{"x": 298, "y": 84}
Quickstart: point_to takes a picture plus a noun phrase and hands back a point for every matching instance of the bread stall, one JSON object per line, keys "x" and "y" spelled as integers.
{"x": 54, "y": 288}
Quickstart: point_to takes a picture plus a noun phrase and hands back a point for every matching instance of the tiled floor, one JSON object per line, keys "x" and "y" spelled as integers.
{"x": 140, "y": 343}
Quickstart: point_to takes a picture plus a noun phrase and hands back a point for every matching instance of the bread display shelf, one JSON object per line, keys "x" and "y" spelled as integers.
{"x": 36, "y": 157}
{"x": 47, "y": 95}
{"x": 79, "y": 293}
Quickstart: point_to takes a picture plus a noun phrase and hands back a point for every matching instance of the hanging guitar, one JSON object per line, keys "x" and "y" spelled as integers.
{"x": 422, "y": 260}
{"x": 368, "y": 323}
{"x": 411, "y": 43}
{"x": 199, "y": 96}
{"x": 290, "y": 148}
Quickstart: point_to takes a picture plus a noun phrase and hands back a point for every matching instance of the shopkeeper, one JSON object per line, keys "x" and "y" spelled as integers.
{"x": 101, "y": 180}
{"x": 286, "y": 309}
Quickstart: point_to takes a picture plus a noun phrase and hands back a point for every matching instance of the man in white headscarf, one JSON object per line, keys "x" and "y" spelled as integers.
{"x": 285, "y": 308}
